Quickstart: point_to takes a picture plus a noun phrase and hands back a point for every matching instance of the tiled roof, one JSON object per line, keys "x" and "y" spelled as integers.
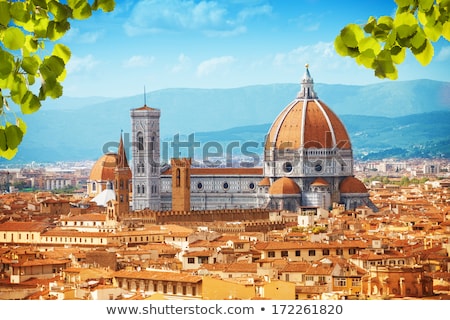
{"x": 158, "y": 276}
{"x": 23, "y": 226}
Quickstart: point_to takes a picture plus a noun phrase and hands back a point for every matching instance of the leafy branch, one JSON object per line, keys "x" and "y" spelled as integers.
{"x": 27, "y": 75}
{"x": 382, "y": 43}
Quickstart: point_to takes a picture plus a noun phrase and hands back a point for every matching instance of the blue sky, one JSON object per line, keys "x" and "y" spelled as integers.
{"x": 160, "y": 44}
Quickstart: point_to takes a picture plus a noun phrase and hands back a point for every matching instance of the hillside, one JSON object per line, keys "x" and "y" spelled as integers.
{"x": 84, "y": 128}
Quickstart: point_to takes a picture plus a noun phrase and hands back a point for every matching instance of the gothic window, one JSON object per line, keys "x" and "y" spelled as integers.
{"x": 138, "y": 189}
{"x": 152, "y": 142}
{"x": 121, "y": 184}
{"x": 140, "y": 141}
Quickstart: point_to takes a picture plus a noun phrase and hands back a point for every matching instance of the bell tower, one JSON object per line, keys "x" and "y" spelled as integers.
{"x": 181, "y": 184}
{"x": 122, "y": 175}
{"x": 146, "y": 158}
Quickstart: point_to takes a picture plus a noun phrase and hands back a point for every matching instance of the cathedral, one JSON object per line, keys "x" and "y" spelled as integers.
{"x": 307, "y": 163}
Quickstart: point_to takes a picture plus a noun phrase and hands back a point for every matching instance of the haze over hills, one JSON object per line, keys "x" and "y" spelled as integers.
{"x": 393, "y": 118}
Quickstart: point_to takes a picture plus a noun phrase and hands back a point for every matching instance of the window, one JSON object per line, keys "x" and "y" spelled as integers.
{"x": 271, "y": 254}
{"x": 287, "y": 167}
{"x": 140, "y": 141}
{"x": 191, "y": 260}
{"x": 311, "y": 253}
{"x": 177, "y": 177}
{"x": 340, "y": 282}
{"x": 202, "y": 259}
{"x": 352, "y": 251}
{"x": 356, "y": 282}
{"x": 339, "y": 252}
{"x": 297, "y": 253}
{"x": 284, "y": 253}
{"x": 326, "y": 252}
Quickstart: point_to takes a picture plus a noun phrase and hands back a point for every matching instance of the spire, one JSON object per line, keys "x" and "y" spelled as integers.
{"x": 122, "y": 161}
{"x": 307, "y": 86}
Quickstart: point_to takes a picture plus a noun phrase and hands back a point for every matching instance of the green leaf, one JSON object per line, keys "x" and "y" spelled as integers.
{"x": 404, "y": 3}
{"x": 424, "y": 54}
{"x": 4, "y": 13}
{"x": 6, "y": 64}
{"x": 51, "y": 68}
{"x": 61, "y": 51}
{"x": 418, "y": 40}
{"x": 3, "y": 145}
{"x": 433, "y": 32}
{"x": 57, "y": 29}
{"x": 9, "y": 153}
{"x": 446, "y": 30}
{"x": 385, "y": 23}
{"x": 31, "y": 44}
{"x": 14, "y": 136}
{"x": 19, "y": 12}
{"x": 371, "y": 23}
{"x": 343, "y": 50}
{"x": 22, "y": 125}
{"x": 81, "y": 9}
{"x": 31, "y": 64}
{"x": 40, "y": 27}
{"x": 40, "y": 3}
{"x": 405, "y": 25}
{"x": 105, "y": 5}
{"x": 384, "y": 66}
{"x": 425, "y": 5}
{"x": 60, "y": 11}
{"x": 351, "y": 35}
{"x": 18, "y": 88}
{"x": 13, "y": 38}
{"x": 30, "y": 103}
{"x": 369, "y": 48}
{"x": 398, "y": 54}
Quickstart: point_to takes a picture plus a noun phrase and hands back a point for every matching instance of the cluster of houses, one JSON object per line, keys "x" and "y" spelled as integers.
{"x": 65, "y": 247}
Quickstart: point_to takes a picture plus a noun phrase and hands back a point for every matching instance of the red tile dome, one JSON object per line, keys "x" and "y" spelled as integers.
{"x": 284, "y": 185}
{"x": 352, "y": 185}
{"x": 307, "y": 122}
{"x": 103, "y": 169}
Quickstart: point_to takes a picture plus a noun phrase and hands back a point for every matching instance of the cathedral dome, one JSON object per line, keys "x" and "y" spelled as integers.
{"x": 103, "y": 169}
{"x": 284, "y": 185}
{"x": 352, "y": 185}
{"x": 307, "y": 122}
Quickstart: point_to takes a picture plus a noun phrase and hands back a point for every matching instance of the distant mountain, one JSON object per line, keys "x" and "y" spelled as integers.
{"x": 83, "y": 128}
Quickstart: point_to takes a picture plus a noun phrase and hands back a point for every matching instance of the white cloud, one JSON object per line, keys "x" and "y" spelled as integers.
{"x": 214, "y": 18}
{"x": 313, "y": 54}
{"x": 183, "y": 63}
{"x": 74, "y": 34}
{"x": 212, "y": 65}
{"x": 80, "y": 64}
{"x": 444, "y": 54}
{"x": 138, "y": 61}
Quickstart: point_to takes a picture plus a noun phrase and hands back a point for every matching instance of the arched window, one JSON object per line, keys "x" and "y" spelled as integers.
{"x": 140, "y": 141}
{"x": 138, "y": 189}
